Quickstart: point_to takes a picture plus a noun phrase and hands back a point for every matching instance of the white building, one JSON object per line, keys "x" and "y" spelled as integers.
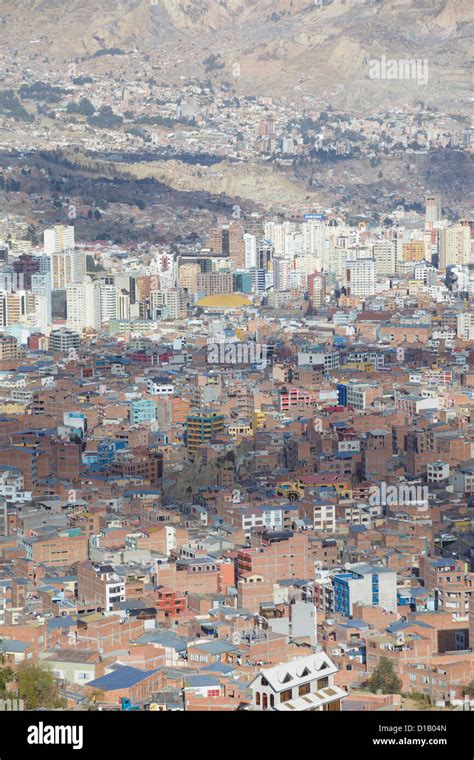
{"x": 437, "y": 472}
{"x": 83, "y": 306}
{"x": 314, "y": 239}
{"x": 11, "y": 486}
{"x": 384, "y": 254}
{"x": 304, "y": 684}
{"x": 281, "y": 273}
{"x": 159, "y": 386}
{"x": 454, "y": 245}
{"x": 250, "y": 242}
{"x": 433, "y": 209}
{"x": 67, "y": 267}
{"x": 108, "y": 302}
{"x": 58, "y": 238}
{"x": 168, "y": 304}
{"x": 360, "y": 277}
{"x": 465, "y": 327}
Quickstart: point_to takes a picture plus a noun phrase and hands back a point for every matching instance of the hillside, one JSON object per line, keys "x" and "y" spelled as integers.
{"x": 277, "y": 47}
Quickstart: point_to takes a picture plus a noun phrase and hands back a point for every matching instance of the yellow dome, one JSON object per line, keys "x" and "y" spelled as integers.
{"x": 224, "y": 301}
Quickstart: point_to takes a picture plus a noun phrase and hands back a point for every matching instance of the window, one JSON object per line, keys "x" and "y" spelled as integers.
{"x": 323, "y": 682}
{"x": 286, "y": 695}
{"x": 265, "y": 701}
{"x": 272, "y": 700}
{"x": 304, "y": 689}
{"x": 257, "y": 698}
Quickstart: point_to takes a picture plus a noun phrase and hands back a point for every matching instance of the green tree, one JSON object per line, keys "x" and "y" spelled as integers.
{"x": 469, "y": 690}
{"x": 6, "y": 675}
{"x": 384, "y": 678}
{"x": 38, "y": 687}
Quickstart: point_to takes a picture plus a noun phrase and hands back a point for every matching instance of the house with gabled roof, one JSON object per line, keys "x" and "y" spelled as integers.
{"x": 306, "y": 683}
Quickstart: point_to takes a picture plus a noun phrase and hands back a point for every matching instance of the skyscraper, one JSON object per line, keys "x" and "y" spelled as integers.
{"x": 360, "y": 277}
{"x": 281, "y": 273}
{"x": 383, "y": 252}
{"x": 454, "y": 245}
{"x": 314, "y": 238}
{"x": 250, "y": 242}
{"x": 433, "y": 209}
{"x": 67, "y": 268}
{"x": 41, "y": 288}
{"x": 83, "y": 305}
{"x": 58, "y": 238}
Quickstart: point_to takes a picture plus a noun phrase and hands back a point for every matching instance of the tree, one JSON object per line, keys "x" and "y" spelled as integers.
{"x": 384, "y": 678}
{"x": 469, "y": 690}
{"x": 38, "y": 687}
{"x": 6, "y": 675}
{"x": 84, "y": 107}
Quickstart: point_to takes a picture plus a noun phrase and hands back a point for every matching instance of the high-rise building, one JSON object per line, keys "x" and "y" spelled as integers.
{"x": 265, "y": 254}
{"x": 15, "y": 307}
{"x": 3, "y": 518}
{"x": 259, "y": 283}
{"x": 433, "y": 209}
{"x": 108, "y": 301}
{"x": 41, "y": 288}
{"x": 123, "y": 304}
{"x": 414, "y": 250}
{"x": 317, "y": 288}
{"x": 314, "y": 231}
{"x": 465, "y": 325}
{"x": 58, "y": 238}
{"x": 8, "y": 349}
{"x": 187, "y": 276}
{"x": 228, "y": 241}
{"x": 24, "y": 267}
{"x": 360, "y": 277}
{"x": 250, "y": 242}
{"x": 383, "y": 252}
{"x": 281, "y": 274}
{"x": 169, "y": 303}
{"x": 215, "y": 283}
{"x": 282, "y": 236}
{"x": 83, "y": 306}
{"x": 454, "y": 245}
{"x": 68, "y": 267}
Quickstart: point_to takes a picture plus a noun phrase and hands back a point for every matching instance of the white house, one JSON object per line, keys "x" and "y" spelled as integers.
{"x": 305, "y": 683}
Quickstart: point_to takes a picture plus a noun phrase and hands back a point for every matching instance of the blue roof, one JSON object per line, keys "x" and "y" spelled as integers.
{"x": 121, "y": 678}
{"x": 197, "y": 681}
{"x": 216, "y": 647}
{"x": 220, "y": 667}
{"x": 14, "y": 645}
{"x": 60, "y": 622}
{"x": 404, "y": 625}
{"x": 167, "y": 639}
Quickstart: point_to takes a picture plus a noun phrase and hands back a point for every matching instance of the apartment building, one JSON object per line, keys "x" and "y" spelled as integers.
{"x": 99, "y": 585}
{"x": 369, "y": 584}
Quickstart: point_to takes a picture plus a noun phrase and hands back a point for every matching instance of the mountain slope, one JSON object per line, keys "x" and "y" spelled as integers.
{"x": 323, "y": 50}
